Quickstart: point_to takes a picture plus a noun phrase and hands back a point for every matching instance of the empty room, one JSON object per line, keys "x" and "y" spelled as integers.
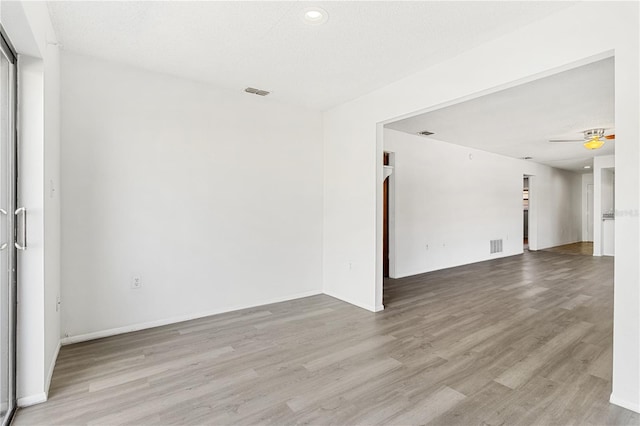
{"x": 294, "y": 212}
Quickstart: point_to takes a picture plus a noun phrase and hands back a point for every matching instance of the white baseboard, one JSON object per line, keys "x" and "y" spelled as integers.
{"x": 26, "y": 401}
{"x": 52, "y": 365}
{"x": 633, "y": 406}
{"x": 158, "y": 323}
{"x": 370, "y": 308}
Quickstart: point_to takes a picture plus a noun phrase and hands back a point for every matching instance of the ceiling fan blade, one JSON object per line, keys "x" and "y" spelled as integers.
{"x": 566, "y": 140}
{"x": 610, "y": 137}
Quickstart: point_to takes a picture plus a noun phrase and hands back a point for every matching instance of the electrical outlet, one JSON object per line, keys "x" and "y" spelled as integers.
{"x": 136, "y": 282}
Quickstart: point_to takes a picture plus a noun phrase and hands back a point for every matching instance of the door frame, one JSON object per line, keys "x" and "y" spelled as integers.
{"x": 12, "y": 151}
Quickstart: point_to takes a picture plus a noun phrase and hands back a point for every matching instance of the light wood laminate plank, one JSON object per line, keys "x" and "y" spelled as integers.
{"x": 520, "y": 340}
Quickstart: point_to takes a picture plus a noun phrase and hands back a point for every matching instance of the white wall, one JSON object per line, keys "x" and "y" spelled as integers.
{"x": 451, "y": 200}
{"x": 555, "y": 197}
{"x": 31, "y": 292}
{"x": 448, "y": 205}
{"x": 352, "y": 243}
{"x": 212, "y": 197}
{"x": 30, "y": 30}
{"x": 51, "y": 203}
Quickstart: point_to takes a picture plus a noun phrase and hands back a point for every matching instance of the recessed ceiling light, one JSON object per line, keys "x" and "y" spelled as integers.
{"x": 587, "y": 167}
{"x": 314, "y": 16}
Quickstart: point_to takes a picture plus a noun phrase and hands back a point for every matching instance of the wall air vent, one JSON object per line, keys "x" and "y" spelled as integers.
{"x": 425, "y": 133}
{"x": 256, "y": 91}
{"x": 495, "y": 246}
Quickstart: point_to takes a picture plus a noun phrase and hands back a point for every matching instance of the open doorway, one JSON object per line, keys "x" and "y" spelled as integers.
{"x": 388, "y": 223}
{"x": 385, "y": 220}
{"x": 440, "y": 238}
{"x": 525, "y": 211}
{"x": 387, "y": 216}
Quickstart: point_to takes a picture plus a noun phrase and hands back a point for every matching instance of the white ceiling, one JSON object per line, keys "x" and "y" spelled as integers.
{"x": 364, "y": 45}
{"x": 519, "y": 121}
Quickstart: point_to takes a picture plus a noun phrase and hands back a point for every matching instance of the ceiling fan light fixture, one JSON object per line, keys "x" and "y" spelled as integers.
{"x": 594, "y": 143}
{"x": 594, "y": 133}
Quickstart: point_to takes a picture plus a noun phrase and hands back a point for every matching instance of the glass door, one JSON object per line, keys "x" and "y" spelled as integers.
{"x": 7, "y": 233}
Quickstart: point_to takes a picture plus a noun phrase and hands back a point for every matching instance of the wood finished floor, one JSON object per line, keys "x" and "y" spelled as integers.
{"x": 582, "y": 248}
{"x": 522, "y": 340}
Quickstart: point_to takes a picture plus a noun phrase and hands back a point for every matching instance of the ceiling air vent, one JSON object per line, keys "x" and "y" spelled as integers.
{"x": 425, "y": 133}
{"x": 256, "y": 91}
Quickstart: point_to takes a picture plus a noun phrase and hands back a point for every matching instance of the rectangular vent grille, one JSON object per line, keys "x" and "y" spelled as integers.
{"x": 495, "y": 246}
{"x": 425, "y": 133}
{"x": 256, "y": 91}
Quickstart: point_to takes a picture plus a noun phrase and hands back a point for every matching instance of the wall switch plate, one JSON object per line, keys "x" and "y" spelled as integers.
{"x": 136, "y": 282}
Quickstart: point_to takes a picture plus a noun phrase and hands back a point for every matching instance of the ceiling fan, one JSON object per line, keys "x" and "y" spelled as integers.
{"x": 593, "y": 138}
